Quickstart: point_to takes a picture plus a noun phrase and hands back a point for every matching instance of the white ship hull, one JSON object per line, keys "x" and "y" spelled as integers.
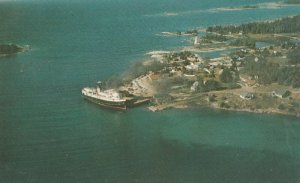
{"x": 106, "y": 98}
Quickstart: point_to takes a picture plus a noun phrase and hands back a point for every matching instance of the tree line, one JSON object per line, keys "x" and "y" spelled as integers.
{"x": 268, "y": 73}
{"x": 293, "y": 2}
{"x": 284, "y": 25}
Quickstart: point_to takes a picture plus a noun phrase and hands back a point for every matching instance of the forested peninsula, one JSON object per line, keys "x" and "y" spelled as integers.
{"x": 284, "y": 25}
{"x": 293, "y": 2}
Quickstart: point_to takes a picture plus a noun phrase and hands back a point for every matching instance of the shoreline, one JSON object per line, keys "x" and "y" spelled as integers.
{"x": 232, "y": 100}
{"x": 158, "y": 108}
{"x": 207, "y": 50}
{"x": 183, "y": 79}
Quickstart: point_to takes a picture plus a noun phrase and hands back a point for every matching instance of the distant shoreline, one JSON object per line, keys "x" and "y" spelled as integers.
{"x": 292, "y": 2}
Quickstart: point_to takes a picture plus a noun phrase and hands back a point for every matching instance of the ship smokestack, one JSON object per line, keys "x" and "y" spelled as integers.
{"x": 99, "y": 86}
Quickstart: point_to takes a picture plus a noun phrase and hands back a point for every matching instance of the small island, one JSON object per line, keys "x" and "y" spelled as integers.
{"x": 261, "y": 73}
{"x": 10, "y": 49}
{"x": 192, "y": 32}
{"x": 239, "y": 8}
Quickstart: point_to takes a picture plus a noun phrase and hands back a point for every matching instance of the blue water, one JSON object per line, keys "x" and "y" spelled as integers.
{"x": 48, "y": 133}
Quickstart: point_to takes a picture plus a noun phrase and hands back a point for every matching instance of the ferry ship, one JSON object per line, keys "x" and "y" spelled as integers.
{"x": 107, "y": 98}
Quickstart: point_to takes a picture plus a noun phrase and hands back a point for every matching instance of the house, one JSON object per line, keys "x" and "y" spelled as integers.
{"x": 192, "y": 66}
{"x": 247, "y": 96}
{"x": 281, "y": 93}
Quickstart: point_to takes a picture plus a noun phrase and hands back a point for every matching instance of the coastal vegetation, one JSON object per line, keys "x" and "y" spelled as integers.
{"x": 294, "y": 56}
{"x": 268, "y": 72}
{"x": 245, "y": 7}
{"x": 250, "y": 6}
{"x": 226, "y": 76}
{"x": 215, "y": 37}
{"x": 246, "y": 41}
{"x": 192, "y": 32}
{"x": 293, "y": 2}
{"x": 284, "y": 25}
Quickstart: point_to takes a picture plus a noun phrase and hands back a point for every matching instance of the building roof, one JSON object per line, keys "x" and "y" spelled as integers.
{"x": 281, "y": 91}
{"x": 247, "y": 95}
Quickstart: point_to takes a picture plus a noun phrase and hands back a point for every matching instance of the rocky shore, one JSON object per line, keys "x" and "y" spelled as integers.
{"x": 226, "y": 100}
